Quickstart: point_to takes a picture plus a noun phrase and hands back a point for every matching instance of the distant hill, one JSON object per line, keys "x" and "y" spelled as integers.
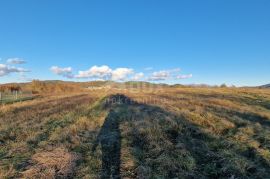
{"x": 265, "y": 86}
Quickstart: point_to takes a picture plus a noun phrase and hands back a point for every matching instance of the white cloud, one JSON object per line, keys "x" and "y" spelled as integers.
{"x": 138, "y": 76}
{"x": 59, "y": 71}
{"x": 106, "y": 73}
{"x": 16, "y": 61}
{"x": 184, "y": 76}
{"x": 160, "y": 75}
{"x": 103, "y": 72}
{"x": 5, "y": 70}
{"x": 121, "y": 74}
{"x": 66, "y": 72}
{"x": 169, "y": 74}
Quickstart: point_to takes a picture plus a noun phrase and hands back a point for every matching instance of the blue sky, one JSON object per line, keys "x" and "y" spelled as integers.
{"x": 210, "y": 41}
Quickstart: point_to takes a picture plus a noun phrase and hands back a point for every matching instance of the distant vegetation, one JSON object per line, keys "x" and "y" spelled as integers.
{"x": 51, "y": 87}
{"x": 10, "y": 88}
{"x": 265, "y": 86}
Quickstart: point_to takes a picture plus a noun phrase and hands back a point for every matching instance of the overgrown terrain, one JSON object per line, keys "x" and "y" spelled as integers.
{"x": 168, "y": 132}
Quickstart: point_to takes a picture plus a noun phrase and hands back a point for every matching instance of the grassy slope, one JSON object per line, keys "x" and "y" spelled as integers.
{"x": 173, "y": 132}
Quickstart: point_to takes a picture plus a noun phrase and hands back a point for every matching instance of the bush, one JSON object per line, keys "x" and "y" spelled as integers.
{"x": 223, "y": 86}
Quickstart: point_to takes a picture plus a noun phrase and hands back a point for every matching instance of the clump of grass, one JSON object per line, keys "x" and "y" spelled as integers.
{"x": 6, "y": 172}
{"x": 57, "y": 163}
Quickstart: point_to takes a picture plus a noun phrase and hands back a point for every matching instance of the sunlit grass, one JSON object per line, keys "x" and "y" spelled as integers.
{"x": 172, "y": 133}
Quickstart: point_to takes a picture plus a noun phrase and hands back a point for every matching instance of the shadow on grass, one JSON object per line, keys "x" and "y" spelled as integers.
{"x": 245, "y": 116}
{"x": 109, "y": 138}
{"x": 166, "y": 145}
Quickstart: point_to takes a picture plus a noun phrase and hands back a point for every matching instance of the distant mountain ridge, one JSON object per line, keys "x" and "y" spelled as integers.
{"x": 265, "y": 86}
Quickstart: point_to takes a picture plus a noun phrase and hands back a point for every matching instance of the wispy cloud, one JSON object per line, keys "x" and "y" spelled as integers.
{"x": 6, "y": 69}
{"x": 170, "y": 74}
{"x": 159, "y": 76}
{"x": 184, "y": 76}
{"x": 15, "y": 61}
{"x": 65, "y": 72}
{"x": 164, "y": 74}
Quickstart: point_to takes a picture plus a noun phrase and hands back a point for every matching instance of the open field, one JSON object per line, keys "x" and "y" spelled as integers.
{"x": 175, "y": 132}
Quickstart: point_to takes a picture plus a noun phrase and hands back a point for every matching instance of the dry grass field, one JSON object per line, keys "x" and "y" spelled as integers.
{"x": 173, "y": 132}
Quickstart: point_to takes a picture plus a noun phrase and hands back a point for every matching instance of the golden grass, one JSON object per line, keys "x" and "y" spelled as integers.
{"x": 169, "y": 133}
{"x": 52, "y": 164}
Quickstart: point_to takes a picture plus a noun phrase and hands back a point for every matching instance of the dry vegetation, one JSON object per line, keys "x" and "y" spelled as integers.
{"x": 42, "y": 87}
{"x": 172, "y": 132}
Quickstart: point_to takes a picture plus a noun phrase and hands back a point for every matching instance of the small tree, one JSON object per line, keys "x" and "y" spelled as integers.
{"x": 38, "y": 86}
{"x": 14, "y": 89}
{"x": 223, "y": 85}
